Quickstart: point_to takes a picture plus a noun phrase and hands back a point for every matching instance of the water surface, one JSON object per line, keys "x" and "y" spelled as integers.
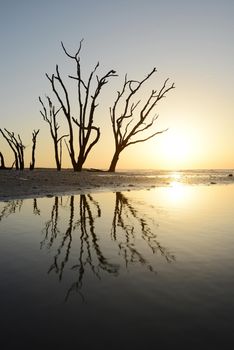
{"x": 128, "y": 269}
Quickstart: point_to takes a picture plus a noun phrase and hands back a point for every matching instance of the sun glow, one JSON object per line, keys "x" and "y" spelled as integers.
{"x": 176, "y": 193}
{"x": 176, "y": 148}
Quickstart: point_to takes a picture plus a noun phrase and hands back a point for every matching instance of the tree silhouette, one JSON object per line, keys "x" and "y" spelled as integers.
{"x": 87, "y": 103}
{"x": 34, "y": 141}
{"x": 50, "y": 117}
{"x": 17, "y": 147}
{"x": 130, "y": 120}
{"x": 2, "y": 161}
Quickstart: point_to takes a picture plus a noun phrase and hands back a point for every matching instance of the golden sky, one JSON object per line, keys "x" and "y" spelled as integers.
{"x": 191, "y": 42}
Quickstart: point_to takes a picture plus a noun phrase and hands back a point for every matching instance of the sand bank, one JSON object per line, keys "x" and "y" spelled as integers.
{"x": 49, "y": 182}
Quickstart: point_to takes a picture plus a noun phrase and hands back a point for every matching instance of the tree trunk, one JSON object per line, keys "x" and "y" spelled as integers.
{"x": 2, "y": 162}
{"x": 32, "y": 164}
{"x": 78, "y": 166}
{"x": 34, "y": 141}
{"x": 114, "y": 161}
{"x": 58, "y": 163}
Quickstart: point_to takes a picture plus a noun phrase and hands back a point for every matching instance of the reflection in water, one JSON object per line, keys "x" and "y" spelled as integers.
{"x": 51, "y": 226}
{"x": 105, "y": 248}
{"x": 36, "y": 210}
{"x": 177, "y": 192}
{"x": 127, "y": 225}
{"x": 89, "y": 254}
{"x": 11, "y": 207}
{"x": 14, "y": 206}
{"x": 123, "y": 213}
{"x": 80, "y": 238}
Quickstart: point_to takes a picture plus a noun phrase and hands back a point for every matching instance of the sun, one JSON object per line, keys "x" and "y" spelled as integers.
{"x": 175, "y": 149}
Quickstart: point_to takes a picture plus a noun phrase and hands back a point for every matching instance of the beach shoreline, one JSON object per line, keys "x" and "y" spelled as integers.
{"x": 49, "y": 182}
{"x": 16, "y": 184}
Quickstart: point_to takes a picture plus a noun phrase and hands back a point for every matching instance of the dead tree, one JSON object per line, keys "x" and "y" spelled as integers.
{"x": 128, "y": 120}
{"x": 34, "y": 141}
{"x": 2, "y": 161}
{"x": 17, "y": 147}
{"x": 89, "y": 134}
{"x": 50, "y": 116}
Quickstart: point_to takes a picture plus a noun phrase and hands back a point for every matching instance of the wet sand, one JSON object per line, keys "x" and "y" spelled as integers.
{"x": 49, "y": 182}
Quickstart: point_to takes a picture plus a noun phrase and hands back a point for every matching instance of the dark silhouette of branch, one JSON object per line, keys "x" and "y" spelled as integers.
{"x": 36, "y": 210}
{"x": 121, "y": 219}
{"x": 87, "y": 254}
{"x": 10, "y": 208}
{"x": 67, "y": 237}
{"x": 89, "y": 240}
{"x": 87, "y": 102}
{"x": 2, "y": 161}
{"x": 17, "y": 147}
{"x": 34, "y": 141}
{"x": 51, "y": 226}
{"x": 90, "y": 253}
{"x": 50, "y": 116}
{"x": 132, "y": 121}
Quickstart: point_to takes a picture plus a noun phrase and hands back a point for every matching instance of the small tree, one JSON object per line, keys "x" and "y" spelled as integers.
{"x": 34, "y": 141}
{"x": 131, "y": 122}
{"x": 87, "y": 103}
{"x": 17, "y": 147}
{"x": 50, "y": 117}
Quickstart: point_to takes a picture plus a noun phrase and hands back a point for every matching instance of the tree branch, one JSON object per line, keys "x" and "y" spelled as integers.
{"x": 147, "y": 138}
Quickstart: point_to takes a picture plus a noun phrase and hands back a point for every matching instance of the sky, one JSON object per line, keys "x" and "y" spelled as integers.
{"x": 190, "y": 42}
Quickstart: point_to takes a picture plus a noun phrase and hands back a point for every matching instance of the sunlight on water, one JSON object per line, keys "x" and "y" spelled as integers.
{"x": 177, "y": 192}
{"x": 145, "y": 262}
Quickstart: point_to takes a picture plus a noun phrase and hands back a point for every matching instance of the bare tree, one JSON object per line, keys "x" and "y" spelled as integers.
{"x": 17, "y": 147}
{"x": 50, "y": 116}
{"x": 2, "y": 161}
{"x": 89, "y": 134}
{"x": 131, "y": 121}
{"x": 34, "y": 141}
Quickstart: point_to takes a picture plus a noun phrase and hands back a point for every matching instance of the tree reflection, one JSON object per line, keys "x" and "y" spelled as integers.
{"x": 10, "y": 208}
{"x": 13, "y": 206}
{"x": 128, "y": 224}
{"x": 36, "y": 210}
{"x": 90, "y": 254}
{"x": 51, "y": 226}
{"x": 63, "y": 251}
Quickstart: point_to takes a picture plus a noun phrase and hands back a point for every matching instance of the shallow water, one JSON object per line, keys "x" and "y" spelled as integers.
{"x": 132, "y": 269}
{"x": 196, "y": 176}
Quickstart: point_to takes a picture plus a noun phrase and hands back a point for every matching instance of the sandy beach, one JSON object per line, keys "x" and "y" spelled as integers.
{"x": 49, "y": 182}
